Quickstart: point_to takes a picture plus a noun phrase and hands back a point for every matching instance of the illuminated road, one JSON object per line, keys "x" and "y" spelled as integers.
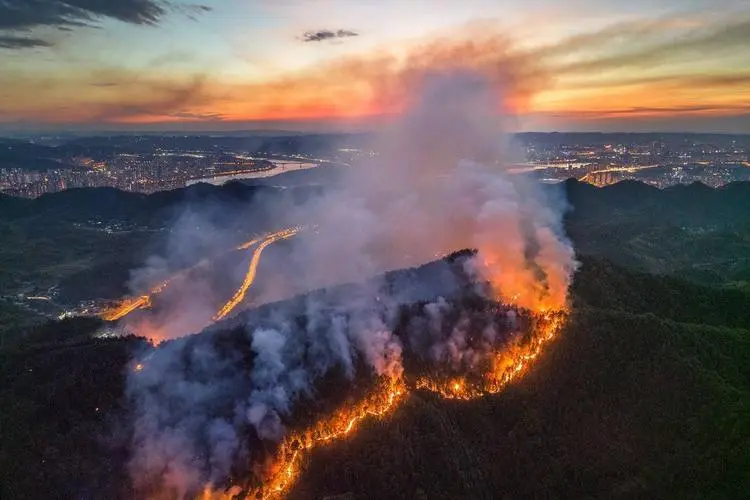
{"x": 127, "y": 306}
{"x": 131, "y": 304}
{"x": 239, "y": 295}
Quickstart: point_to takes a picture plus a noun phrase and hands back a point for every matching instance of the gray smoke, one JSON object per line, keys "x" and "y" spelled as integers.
{"x": 439, "y": 184}
{"x": 197, "y": 399}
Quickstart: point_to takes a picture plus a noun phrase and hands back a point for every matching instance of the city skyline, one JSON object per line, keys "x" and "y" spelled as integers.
{"x": 228, "y": 65}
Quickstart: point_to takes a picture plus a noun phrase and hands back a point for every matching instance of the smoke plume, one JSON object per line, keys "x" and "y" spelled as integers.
{"x": 205, "y": 404}
{"x": 438, "y": 185}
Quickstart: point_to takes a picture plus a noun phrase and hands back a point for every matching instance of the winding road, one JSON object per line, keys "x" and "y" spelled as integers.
{"x": 131, "y": 304}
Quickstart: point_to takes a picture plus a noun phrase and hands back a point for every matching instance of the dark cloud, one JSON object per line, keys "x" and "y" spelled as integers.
{"x": 19, "y": 16}
{"x": 322, "y": 35}
{"x": 15, "y": 42}
{"x": 712, "y": 40}
{"x": 135, "y": 98}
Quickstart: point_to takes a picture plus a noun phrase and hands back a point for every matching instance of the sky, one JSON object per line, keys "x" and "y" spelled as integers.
{"x": 579, "y": 65}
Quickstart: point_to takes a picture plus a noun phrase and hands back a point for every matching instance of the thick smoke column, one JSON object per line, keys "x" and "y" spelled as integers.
{"x": 438, "y": 186}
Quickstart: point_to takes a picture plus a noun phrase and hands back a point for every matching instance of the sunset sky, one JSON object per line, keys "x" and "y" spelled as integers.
{"x": 640, "y": 65}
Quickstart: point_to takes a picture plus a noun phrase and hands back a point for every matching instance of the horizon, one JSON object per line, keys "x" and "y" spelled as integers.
{"x": 18, "y": 135}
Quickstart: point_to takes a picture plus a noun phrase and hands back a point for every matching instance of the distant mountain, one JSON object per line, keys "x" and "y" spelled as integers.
{"x": 693, "y": 231}
{"x": 110, "y": 204}
{"x": 689, "y": 205}
{"x": 28, "y": 156}
{"x": 692, "y": 205}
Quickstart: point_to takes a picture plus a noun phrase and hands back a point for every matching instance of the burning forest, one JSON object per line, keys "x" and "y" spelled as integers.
{"x": 200, "y": 430}
{"x": 234, "y": 412}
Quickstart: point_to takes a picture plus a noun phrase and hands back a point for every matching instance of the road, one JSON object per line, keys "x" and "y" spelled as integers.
{"x": 128, "y": 305}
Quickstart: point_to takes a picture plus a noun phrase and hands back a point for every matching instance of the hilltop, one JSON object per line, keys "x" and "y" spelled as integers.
{"x": 634, "y": 399}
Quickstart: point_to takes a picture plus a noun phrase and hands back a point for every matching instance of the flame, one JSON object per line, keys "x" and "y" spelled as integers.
{"x": 506, "y": 366}
{"x": 239, "y": 295}
{"x": 250, "y": 243}
{"x": 286, "y": 465}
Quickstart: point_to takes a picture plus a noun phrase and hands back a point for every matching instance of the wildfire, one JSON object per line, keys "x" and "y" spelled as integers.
{"x": 503, "y": 367}
{"x": 239, "y": 295}
{"x": 506, "y": 367}
{"x": 286, "y": 464}
{"x": 250, "y": 243}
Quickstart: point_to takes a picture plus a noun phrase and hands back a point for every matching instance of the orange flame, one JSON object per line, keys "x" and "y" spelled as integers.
{"x": 126, "y": 307}
{"x": 286, "y": 465}
{"x": 506, "y": 367}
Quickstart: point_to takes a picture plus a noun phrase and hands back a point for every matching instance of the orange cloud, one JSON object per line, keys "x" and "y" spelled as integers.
{"x": 374, "y": 84}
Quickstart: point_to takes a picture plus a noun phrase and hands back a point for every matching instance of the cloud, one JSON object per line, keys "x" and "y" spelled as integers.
{"x": 692, "y": 62}
{"x": 15, "y": 42}
{"x": 637, "y": 45}
{"x": 322, "y": 35}
{"x": 720, "y": 81}
{"x": 20, "y": 16}
{"x": 660, "y": 110}
{"x": 349, "y": 87}
{"x": 185, "y": 115}
{"x": 111, "y": 96}
{"x": 144, "y": 99}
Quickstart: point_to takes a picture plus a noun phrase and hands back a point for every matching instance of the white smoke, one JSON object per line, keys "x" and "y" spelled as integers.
{"x": 438, "y": 185}
{"x": 195, "y": 398}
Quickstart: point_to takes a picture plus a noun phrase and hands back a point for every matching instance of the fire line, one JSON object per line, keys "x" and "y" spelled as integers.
{"x": 506, "y": 368}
